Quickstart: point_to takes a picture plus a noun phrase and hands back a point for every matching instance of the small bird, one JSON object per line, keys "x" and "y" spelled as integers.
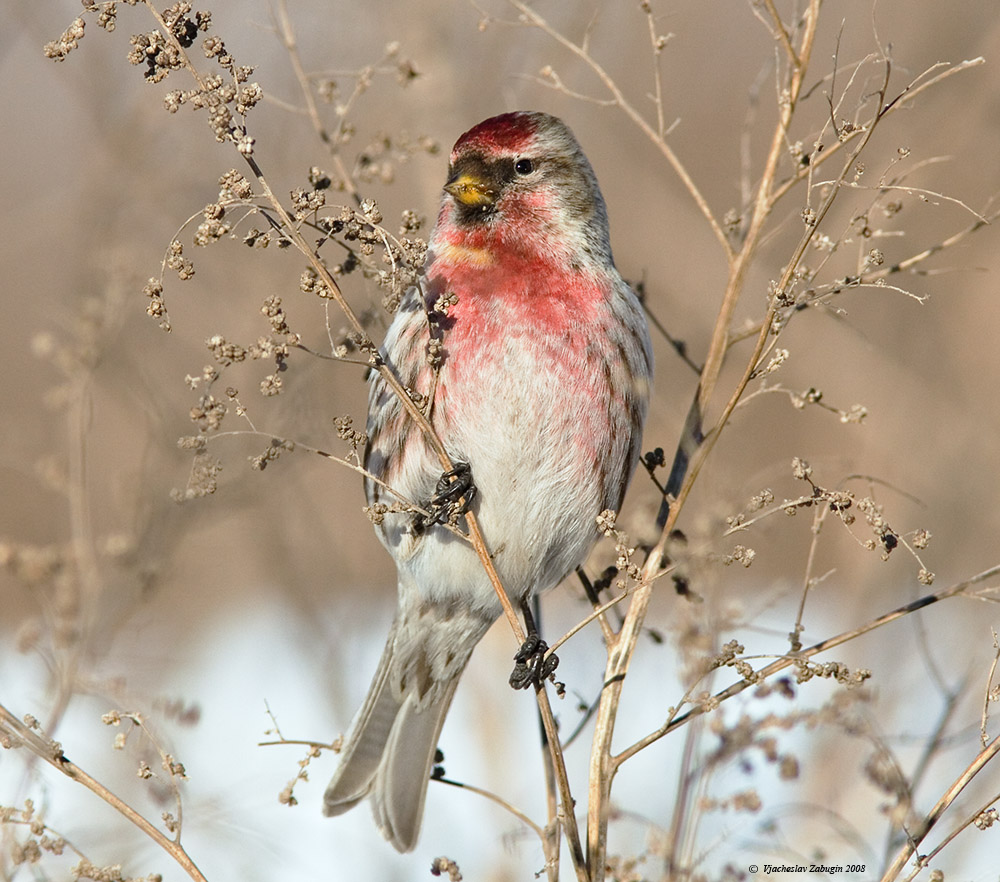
{"x": 532, "y": 358}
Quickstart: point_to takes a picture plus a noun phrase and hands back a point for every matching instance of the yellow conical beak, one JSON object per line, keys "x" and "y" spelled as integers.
{"x": 471, "y": 190}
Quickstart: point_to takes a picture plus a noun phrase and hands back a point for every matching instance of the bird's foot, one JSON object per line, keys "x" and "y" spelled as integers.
{"x": 531, "y": 665}
{"x": 452, "y": 497}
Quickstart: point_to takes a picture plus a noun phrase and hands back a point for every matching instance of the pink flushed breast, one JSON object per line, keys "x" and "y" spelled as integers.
{"x": 524, "y": 290}
{"x": 532, "y": 346}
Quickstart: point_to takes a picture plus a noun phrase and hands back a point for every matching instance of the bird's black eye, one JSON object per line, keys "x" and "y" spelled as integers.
{"x": 524, "y": 167}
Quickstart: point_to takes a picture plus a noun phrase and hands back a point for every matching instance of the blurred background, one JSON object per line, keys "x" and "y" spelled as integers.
{"x": 275, "y": 590}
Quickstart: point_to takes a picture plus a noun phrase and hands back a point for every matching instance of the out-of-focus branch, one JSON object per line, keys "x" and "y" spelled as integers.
{"x": 934, "y": 815}
{"x": 11, "y": 728}
{"x": 581, "y": 52}
{"x": 958, "y": 589}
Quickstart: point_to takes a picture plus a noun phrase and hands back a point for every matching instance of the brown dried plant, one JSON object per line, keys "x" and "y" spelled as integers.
{"x": 814, "y": 162}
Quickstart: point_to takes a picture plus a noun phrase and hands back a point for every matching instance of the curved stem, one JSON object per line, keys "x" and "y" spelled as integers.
{"x": 764, "y": 202}
{"x": 53, "y": 755}
{"x": 786, "y": 661}
{"x": 947, "y": 798}
{"x": 581, "y": 51}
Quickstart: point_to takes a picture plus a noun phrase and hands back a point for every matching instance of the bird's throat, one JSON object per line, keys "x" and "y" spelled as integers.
{"x": 464, "y": 255}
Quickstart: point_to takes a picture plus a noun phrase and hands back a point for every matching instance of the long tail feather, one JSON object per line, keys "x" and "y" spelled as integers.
{"x": 365, "y": 743}
{"x": 401, "y": 784}
{"x": 389, "y": 750}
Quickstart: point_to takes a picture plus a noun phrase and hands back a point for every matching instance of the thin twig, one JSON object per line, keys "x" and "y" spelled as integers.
{"x": 596, "y": 613}
{"x": 924, "y": 195}
{"x": 934, "y": 815}
{"x": 929, "y": 751}
{"x": 905, "y": 97}
{"x": 990, "y": 694}
{"x": 780, "y": 664}
{"x": 819, "y": 517}
{"x": 500, "y": 801}
{"x": 971, "y": 819}
{"x": 763, "y": 205}
{"x": 291, "y": 46}
{"x": 779, "y": 26}
{"x": 52, "y": 753}
{"x": 580, "y": 51}
{"x": 871, "y": 278}
{"x": 353, "y": 466}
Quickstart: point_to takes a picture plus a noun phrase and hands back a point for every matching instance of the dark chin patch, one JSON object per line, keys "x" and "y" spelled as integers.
{"x": 473, "y": 215}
